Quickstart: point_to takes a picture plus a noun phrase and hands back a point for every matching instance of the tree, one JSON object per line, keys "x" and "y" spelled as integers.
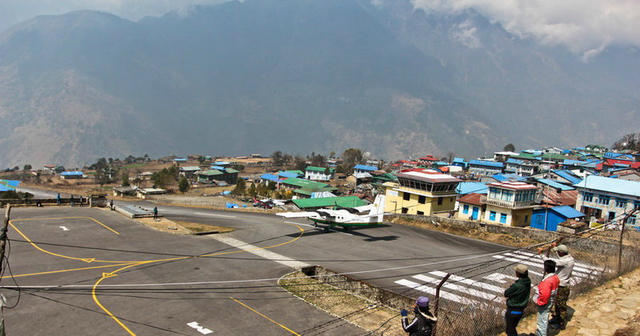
{"x": 509, "y": 148}
{"x": 277, "y": 158}
{"x": 450, "y": 156}
{"x": 240, "y": 188}
{"x": 318, "y": 160}
{"x": 299, "y": 163}
{"x": 630, "y": 141}
{"x": 252, "y": 190}
{"x": 183, "y": 185}
{"x": 125, "y": 178}
{"x": 350, "y": 158}
{"x": 27, "y": 167}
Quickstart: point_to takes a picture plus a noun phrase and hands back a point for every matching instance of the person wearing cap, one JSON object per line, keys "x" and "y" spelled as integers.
{"x": 517, "y": 299}
{"x": 544, "y": 294}
{"x": 564, "y": 270}
{"x": 422, "y": 324}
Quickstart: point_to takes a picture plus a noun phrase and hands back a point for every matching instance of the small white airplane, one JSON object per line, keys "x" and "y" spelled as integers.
{"x": 366, "y": 215}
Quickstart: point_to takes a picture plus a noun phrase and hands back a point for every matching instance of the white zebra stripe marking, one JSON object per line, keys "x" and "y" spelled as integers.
{"x": 467, "y": 290}
{"x": 432, "y": 291}
{"x": 470, "y": 282}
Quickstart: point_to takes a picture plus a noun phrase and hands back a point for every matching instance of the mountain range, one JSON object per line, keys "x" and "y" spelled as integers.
{"x": 299, "y": 76}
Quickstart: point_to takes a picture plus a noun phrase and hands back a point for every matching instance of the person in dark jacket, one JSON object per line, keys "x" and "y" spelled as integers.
{"x": 517, "y": 299}
{"x": 422, "y": 324}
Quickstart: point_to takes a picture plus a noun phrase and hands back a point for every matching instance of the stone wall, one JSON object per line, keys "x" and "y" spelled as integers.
{"x": 591, "y": 246}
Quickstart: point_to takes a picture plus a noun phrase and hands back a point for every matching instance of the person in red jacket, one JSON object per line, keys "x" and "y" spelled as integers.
{"x": 544, "y": 294}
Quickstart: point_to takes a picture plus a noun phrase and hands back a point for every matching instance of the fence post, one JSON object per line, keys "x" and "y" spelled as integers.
{"x": 435, "y": 306}
{"x": 620, "y": 245}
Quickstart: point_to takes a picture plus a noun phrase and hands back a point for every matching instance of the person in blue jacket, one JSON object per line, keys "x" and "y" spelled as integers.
{"x": 422, "y": 324}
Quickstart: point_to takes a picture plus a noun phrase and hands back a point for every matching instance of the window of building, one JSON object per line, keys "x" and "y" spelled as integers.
{"x": 621, "y": 203}
{"x": 631, "y": 220}
{"x": 637, "y": 204}
{"x": 492, "y": 215}
{"x": 439, "y": 200}
{"x": 422, "y": 199}
{"x": 588, "y": 197}
{"x": 465, "y": 209}
{"x": 503, "y": 218}
{"x": 406, "y": 196}
{"x": 420, "y": 213}
{"x": 602, "y": 199}
{"x": 405, "y": 210}
{"x": 526, "y": 219}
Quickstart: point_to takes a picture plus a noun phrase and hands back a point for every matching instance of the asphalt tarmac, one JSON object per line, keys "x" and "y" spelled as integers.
{"x": 230, "y": 288}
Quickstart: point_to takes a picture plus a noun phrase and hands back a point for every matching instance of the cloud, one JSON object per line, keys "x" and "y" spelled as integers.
{"x": 466, "y": 34}
{"x": 586, "y": 27}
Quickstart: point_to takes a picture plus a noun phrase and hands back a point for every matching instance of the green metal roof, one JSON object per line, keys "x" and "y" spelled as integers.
{"x": 302, "y": 183}
{"x": 299, "y": 172}
{"x": 325, "y": 202}
{"x": 211, "y": 172}
{"x": 231, "y": 170}
{"x": 526, "y": 156}
{"x": 318, "y": 169}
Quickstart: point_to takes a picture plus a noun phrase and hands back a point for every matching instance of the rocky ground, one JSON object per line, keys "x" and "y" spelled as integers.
{"x": 611, "y": 309}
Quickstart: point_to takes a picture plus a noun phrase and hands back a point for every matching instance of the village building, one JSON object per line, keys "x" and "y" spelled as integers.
{"x": 608, "y": 198}
{"x": 363, "y": 171}
{"x": 485, "y": 168}
{"x": 222, "y": 177}
{"x": 549, "y": 218}
{"x": 421, "y": 192}
{"x": 304, "y": 188}
{"x": 471, "y": 207}
{"x": 318, "y": 173}
{"x": 144, "y": 193}
{"x": 189, "y": 171}
{"x": 520, "y": 167}
{"x": 565, "y": 176}
{"x": 72, "y": 175}
{"x": 510, "y": 203}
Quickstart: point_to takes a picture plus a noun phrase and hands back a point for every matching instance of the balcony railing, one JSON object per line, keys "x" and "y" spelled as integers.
{"x": 507, "y": 204}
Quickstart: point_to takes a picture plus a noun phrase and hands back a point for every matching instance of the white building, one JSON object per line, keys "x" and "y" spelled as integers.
{"x": 608, "y": 198}
{"x": 318, "y": 173}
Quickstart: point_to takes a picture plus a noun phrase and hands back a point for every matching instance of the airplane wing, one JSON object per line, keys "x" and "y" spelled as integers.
{"x": 297, "y": 214}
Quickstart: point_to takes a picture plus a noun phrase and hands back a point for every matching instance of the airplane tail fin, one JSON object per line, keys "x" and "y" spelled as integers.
{"x": 378, "y": 207}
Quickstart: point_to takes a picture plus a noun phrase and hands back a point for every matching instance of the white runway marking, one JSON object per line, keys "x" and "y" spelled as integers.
{"x": 64, "y": 228}
{"x": 261, "y": 252}
{"x": 432, "y": 291}
{"x": 195, "y": 325}
{"x": 211, "y": 215}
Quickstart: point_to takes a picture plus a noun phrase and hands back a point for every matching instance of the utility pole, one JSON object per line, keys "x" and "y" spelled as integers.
{"x": 620, "y": 245}
{"x": 3, "y": 243}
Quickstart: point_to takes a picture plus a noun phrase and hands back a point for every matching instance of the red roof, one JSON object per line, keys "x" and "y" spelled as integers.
{"x": 553, "y": 197}
{"x": 428, "y": 158}
{"x": 472, "y": 198}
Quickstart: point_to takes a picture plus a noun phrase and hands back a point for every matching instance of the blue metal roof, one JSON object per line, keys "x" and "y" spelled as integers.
{"x": 567, "y": 175}
{"x": 365, "y": 167}
{"x": 464, "y": 188}
{"x": 486, "y": 163}
{"x": 222, "y": 163}
{"x": 515, "y": 161}
{"x": 555, "y": 184}
{"x": 72, "y": 173}
{"x": 217, "y": 167}
{"x": 567, "y": 211}
{"x": 287, "y": 174}
{"x": 508, "y": 177}
{"x": 180, "y": 160}
{"x": 269, "y": 177}
{"x": 458, "y": 160}
{"x": 618, "y": 186}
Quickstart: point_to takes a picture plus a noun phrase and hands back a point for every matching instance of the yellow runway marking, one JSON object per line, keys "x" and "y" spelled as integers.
{"x": 58, "y": 218}
{"x": 265, "y": 316}
{"x": 61, "y": 271}
{"x": 134, "y": 263}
